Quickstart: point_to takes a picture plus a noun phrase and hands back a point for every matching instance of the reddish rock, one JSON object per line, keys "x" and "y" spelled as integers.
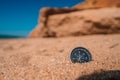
{"x": 42, "y": 30}
{"x": 78, "y": 23}
{"x": 97, "y": 4}
{"x": 83, "y": 19}
{"x": 84, "y": 23}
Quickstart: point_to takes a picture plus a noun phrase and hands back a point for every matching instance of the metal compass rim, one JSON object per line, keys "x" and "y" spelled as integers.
{"x": 89, "y": 56}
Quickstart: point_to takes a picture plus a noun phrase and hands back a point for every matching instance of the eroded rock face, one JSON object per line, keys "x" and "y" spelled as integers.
{"x": 85, "y": 23}
{"x": 97, "y": 4}
{"x": 41, "y": 29}
{"x": 82, "y": 19}
{"x": 100, "y": 21}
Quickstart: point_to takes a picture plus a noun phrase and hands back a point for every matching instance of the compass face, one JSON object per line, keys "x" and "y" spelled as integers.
{"x": 80, "y": 55}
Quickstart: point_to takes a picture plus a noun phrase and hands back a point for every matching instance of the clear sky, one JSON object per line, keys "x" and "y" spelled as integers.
{"x": 19, "y": 17}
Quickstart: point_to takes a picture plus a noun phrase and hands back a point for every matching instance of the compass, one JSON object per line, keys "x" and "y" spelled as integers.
{"x": 80, "y": 55}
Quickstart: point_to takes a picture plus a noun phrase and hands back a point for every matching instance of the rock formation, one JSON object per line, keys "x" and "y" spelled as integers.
{"x": 89, "y": 17}
{"x": 88, "y": 4}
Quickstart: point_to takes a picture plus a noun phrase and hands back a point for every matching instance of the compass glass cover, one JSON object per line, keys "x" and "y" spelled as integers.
{"x": 80, "y": 55}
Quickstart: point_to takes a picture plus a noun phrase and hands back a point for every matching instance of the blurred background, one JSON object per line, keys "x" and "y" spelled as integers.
{"x": 19, "y": 17}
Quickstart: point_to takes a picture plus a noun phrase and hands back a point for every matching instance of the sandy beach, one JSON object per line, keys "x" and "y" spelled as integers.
{"x": 49, "y": 58}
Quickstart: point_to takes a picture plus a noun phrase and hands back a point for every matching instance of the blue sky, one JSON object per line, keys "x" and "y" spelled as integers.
{"x": 19, "y": 17}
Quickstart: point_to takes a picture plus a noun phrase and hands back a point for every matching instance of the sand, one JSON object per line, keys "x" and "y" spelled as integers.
{"x": 49, "y": 58}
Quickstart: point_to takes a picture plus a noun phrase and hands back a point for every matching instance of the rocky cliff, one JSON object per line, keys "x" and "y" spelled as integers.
{"x": 89, "y": 17}
{"x": 88, "y": 4}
